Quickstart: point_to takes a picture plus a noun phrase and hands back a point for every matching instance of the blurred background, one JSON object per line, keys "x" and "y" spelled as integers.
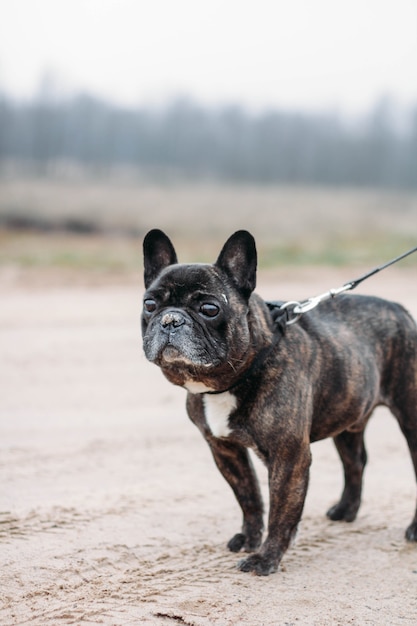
{"x": 296, "y": 120}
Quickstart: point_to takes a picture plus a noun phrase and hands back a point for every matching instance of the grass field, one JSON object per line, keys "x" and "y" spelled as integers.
{"x": 96, "y": 225}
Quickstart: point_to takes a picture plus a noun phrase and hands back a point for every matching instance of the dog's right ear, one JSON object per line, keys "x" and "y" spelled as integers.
{"x": 158, "y": 253}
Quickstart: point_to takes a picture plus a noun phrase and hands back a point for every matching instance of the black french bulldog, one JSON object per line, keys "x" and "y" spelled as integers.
{"x": 254, "y": 383}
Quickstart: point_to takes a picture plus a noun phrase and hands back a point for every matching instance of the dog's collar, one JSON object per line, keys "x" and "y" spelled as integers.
{"x": 259, "y": 360}
{"x": 255, "y": 366}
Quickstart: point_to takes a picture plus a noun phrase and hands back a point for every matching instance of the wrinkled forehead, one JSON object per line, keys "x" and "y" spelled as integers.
{"x": 183, "y": 278}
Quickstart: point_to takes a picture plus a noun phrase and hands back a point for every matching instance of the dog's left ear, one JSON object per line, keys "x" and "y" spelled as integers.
{"x": 158, "y": 253}
{"x": 238, "y": 260}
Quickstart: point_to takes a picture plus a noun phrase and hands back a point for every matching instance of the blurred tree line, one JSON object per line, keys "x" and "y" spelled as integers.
{"x": 226, "y": 144}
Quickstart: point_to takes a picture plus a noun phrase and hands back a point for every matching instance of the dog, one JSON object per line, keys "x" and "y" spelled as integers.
{"x": 255, "y": 382}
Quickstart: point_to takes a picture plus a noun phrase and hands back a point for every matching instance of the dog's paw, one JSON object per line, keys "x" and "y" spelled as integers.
{"x": 342, "y": 512}
{"x": 259, "y": 564}
{"x": 244, "y": 542}
{"x": 411, "y": 532}
{"x": 237, "y": 542}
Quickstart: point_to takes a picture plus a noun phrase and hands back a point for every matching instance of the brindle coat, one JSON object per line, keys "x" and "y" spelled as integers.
{"x": 322, "y": 377}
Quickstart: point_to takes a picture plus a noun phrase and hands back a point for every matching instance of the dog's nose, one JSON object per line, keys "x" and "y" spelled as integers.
{"x": 172, "y": 320}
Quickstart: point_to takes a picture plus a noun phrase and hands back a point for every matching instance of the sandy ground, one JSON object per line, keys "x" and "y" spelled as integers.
{"x": 111, "y": 509}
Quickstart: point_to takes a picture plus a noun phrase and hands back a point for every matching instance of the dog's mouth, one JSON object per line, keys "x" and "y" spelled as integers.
{"x": 171, "y": 354}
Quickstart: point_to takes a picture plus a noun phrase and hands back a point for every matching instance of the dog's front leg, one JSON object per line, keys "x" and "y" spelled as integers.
{"x": 236, "y": 466}
{"x": 288, "y": 480}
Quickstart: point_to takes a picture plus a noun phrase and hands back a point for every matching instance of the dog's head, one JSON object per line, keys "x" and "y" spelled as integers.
{"x": 195, "y": 320}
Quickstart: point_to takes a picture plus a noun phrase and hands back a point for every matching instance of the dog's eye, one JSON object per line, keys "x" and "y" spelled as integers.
{"x": 209, "y": 310}
{"x": 149, "y": 305}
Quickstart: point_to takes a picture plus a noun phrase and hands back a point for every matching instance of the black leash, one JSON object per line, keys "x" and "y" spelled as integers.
{"x": 293, "y": 310}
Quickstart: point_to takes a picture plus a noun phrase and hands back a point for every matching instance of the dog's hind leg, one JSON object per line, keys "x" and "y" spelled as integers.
{"x": 351, "y": 448}
{"x": 400, "y": 387}
{"x": 407, "y": 419}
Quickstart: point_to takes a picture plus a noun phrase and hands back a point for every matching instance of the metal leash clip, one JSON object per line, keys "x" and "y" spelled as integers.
{"x": 286, "y": 307}
{"x": 299, "y": 308}
{"x": 311, "y": 303}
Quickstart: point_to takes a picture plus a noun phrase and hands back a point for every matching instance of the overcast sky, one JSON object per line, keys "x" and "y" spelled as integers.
{"x": 303, "y": 54}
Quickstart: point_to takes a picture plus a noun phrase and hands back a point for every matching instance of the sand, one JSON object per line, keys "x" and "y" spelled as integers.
{"x": 112, "y": 511}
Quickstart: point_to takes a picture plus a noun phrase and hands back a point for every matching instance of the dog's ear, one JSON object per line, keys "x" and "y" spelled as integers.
{"x": 158, "y": 253}
{"x": 238, "y": 260}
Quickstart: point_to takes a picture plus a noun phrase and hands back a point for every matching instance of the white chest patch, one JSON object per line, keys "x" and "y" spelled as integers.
{"x": 217, "y": 409}
{"x": 193, "y": 387}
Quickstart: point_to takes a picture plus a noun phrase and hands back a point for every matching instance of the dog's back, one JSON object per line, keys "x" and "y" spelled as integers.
{"x": 368, "y": 347}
